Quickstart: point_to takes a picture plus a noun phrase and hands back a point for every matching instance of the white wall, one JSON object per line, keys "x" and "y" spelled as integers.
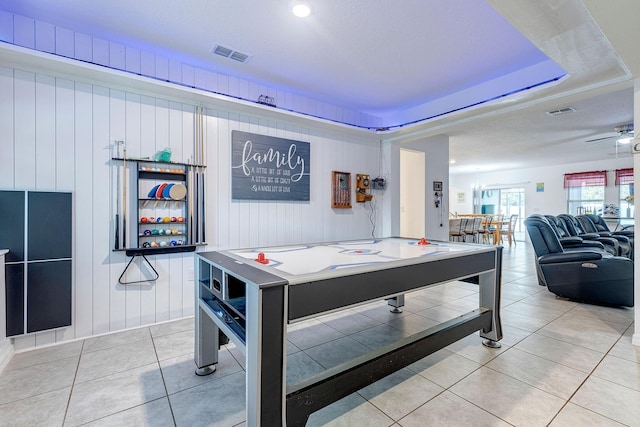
{"x": 436, "y": 167}
{"x": 552, "y": 201}
{"x": 412, "y": 193}
{"x": 56, "y": 137}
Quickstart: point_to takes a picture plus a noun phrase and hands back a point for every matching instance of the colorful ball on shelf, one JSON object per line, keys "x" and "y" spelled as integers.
{"x": 159, "y": 219}
{"x": 161, "y": 232}
{"x": 167, "y": 219}
{"x": 154, "y": 232}
{"x": 167, "y": 232}
{"x": 143, "y": 219}
{"x": 154, "y": 244}
{"x": 180, "y": 219}
{"x": 146, "y": 245}
{"x": 152, "y": 219}
{"x": 147, "y": 232}
{"x": 180, "y": 242}
{"x": 163, "y": 244}
{"x": 174, "y": 219}
{"x": 173, "y": 243}
{"x": 175, "y": 231}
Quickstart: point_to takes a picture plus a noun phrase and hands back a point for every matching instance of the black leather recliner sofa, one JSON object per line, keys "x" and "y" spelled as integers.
{"x": 575, "y": 229}
{"x": 568, "y": 241}
{"x": 602, "y": 226}
{"x": 590, "y": 227}
{"x": 589, "y": 276}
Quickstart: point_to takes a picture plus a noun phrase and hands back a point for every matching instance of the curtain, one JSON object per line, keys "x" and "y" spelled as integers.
{"x": 624, "y": 176}
{"x": 585, "y": 178}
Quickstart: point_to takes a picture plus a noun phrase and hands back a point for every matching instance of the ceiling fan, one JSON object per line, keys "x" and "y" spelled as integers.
{"x": 621, "y": 140}
{"x": 623, "y": 135}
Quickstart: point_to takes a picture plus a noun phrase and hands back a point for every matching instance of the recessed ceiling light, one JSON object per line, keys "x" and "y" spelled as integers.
{"x": 301, "y": 9}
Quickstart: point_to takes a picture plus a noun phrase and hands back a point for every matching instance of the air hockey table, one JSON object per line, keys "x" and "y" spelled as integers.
{"x": 253, "y": 294}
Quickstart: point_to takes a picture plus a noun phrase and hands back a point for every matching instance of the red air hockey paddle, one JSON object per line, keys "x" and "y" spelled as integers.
{"x": 160, "y": 190}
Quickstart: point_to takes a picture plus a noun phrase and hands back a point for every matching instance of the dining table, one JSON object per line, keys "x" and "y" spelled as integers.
{"x": 492, "y": 223}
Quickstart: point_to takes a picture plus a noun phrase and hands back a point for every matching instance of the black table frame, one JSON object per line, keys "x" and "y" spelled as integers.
{"x": 274, "y": 302}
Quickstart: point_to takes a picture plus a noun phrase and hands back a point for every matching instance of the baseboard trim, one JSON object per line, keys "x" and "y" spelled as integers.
{"x": 6, "y": 353}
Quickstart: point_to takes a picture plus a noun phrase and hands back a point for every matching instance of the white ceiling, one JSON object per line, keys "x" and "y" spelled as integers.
{"x": 395, "y": 59}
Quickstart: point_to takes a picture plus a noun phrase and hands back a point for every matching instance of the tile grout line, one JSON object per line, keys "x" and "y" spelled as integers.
{"x": 586, "y": 379}
{"x": 164, "y": 384}
{"x": 73, "y": 383}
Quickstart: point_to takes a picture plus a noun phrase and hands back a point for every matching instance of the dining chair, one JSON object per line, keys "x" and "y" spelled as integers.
{"x": 456, "y": 229}
{"x": 509, "y": 228}
{"x": 476, "y": 228}
{"x": 484, "y": 229}
{"x": 469, "y": 231}
{"x": 494, "y": 229}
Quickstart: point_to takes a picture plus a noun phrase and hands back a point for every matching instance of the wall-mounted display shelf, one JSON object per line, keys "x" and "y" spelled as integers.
{"x": 165, "y": 213}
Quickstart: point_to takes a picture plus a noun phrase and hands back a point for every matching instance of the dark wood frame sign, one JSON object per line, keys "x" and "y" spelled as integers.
{"x": 340, "y": 190}
{"x": 269, "y": 168}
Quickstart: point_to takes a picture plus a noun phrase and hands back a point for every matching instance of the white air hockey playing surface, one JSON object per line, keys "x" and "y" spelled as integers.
{"x": 303, "y": 262}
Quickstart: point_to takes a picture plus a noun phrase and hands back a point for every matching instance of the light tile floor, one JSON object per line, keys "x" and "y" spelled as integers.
{"x": 561, "y": 364}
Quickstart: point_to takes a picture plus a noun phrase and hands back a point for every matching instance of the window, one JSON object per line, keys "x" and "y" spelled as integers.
{"x": 624, "y": 181}
{"x": 585, "y": 192}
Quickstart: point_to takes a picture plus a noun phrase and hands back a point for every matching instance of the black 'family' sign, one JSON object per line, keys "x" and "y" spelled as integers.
{"x": 268, "y": 168}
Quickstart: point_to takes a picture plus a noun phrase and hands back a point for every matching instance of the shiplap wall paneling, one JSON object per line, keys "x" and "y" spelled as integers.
{"x": 133, "y": 129}
{"x": 65, "y": 165}
{"x": 148, "y": 125}
{"x": 6, "y": 26}
{"x": 24, "y": 31}
{"x": 87, "y": 119}
{"x": 185, "y": 154}
{"x": 162, "y": 286}
{"x": 45, "y": 113}
{"x": 218, "y": 170}
{"x": 238, "y": 218}
{"x": 45, "y": 150}
{"x": 81, "y": 46}
{"x": 64, "y": 42}
{"x": 175, "y": 288}
{"x": 117, "y": 293}
{"x": 83, "y": 153}
{"x": 24, "y": 150}
{"x": 65, "y": 134}
{"x": 25, "y": 130}
{"x": 101, "y": 210}
{"x": 45, "y": 37}
{"x": 7, "y": 111}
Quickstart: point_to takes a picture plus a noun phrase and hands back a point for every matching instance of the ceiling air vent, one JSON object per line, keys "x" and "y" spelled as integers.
{"x": 561, "y": 111}
{"x": 230, "y": 53}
